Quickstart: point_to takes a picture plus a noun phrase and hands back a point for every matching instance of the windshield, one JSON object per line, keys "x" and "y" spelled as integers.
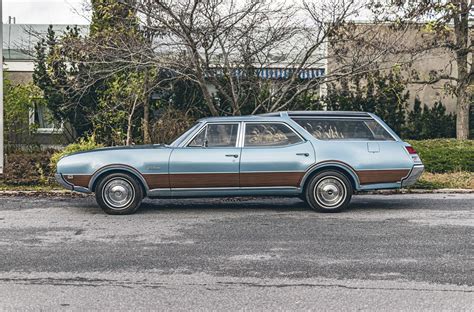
{"x": 183, "y": 136}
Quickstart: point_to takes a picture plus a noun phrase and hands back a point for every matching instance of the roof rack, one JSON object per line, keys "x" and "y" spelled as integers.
{"x": 320, "y": 114}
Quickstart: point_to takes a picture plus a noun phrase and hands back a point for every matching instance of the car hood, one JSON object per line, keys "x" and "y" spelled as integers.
{"x": 118, "y": 148}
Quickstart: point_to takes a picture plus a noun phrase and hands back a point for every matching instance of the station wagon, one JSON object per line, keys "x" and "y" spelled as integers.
{"x": 320, "y": 156}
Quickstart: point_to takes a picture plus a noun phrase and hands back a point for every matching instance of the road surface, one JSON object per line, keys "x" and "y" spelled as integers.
{"x": 388, "y": 252}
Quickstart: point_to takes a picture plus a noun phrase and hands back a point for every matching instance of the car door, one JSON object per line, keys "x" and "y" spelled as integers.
{"x": 273, "y": 155}
{"x": 208, "y": 160}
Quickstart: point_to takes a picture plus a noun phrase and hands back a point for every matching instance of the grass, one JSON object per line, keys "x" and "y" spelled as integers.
{"x": 37, "y": 187}
{"x": 454, "y": 180}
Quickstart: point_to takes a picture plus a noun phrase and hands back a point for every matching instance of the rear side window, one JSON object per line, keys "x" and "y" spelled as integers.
{"x": 269, "y": 134}
{"x": 345, "y": 129}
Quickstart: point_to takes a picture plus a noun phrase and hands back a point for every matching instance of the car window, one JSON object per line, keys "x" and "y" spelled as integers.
{"x": 269, "y": 134}
{"x": 344, "y": 129}
{"x": 216, "y": 135}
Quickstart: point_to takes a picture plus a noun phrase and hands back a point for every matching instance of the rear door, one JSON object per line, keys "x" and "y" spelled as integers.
{"x": 273, "y": 155}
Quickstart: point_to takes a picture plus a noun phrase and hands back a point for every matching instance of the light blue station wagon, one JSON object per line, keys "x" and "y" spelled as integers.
{"x": 320, "y": 156}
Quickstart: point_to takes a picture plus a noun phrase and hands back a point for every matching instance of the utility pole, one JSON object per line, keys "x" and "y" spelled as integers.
{"x": 2, "y": 149}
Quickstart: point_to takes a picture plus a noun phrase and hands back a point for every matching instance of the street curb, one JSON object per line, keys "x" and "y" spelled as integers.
{"x": 52, "y": 193}
{"x": 65, "y": 193}
{"x": 420, "y": 191}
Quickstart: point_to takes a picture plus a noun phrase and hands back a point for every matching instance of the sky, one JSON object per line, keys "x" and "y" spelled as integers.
{"x": 46, "y": 11}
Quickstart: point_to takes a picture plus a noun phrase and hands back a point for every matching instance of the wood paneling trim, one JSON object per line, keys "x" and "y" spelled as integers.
{"x": 381, "y": 176}
{"x": 269, "y": 179}
{"x": 197, "y": 180}
{"x": 155, "y": 181}
{"x": 78, "y": 180}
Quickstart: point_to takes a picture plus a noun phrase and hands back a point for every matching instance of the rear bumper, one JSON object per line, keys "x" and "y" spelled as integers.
{"x": 414, "y": 175}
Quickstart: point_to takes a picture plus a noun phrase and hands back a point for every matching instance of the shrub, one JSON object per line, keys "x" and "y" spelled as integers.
{"x": 22, "y": 168}
{"x": 170, "y": 125}
{"x": 446, "y": 155}
{"x": 83, "y": 144}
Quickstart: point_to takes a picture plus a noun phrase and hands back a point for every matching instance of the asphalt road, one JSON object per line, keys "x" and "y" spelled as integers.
{"x": 388, "y": 252}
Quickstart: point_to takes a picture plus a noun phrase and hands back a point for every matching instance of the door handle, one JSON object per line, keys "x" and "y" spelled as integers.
{"x": 232, "y": 155}
{"x": 302, "y": 154}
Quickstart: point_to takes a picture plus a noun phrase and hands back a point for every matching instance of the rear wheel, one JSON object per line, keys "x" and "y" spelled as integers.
{"x": 329, "y": 191}
{"x": 119, "y": 194}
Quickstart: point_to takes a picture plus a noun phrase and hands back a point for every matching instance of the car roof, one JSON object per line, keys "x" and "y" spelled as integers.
{"x": 279, "y": 115}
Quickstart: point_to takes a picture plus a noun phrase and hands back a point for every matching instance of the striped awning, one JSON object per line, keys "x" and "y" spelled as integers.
{"x": 285, "y": 73}
{"x": 275, "y": 73}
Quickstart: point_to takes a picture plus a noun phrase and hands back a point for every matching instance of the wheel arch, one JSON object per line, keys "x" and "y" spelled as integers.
{"x": 117, "y": 169}
{"x": 343, "y": 168}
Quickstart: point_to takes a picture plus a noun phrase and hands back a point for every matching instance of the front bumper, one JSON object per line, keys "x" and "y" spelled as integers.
{"x": 60, "y": 179}
{"x": 414, "y": 175}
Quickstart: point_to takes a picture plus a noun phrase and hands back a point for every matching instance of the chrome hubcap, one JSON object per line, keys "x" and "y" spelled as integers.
{"x": 330, "y": 192}
{"x": 118, "y": 193}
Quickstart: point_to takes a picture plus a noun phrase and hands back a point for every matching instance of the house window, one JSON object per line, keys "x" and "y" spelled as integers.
{"x": 42, "y": 120}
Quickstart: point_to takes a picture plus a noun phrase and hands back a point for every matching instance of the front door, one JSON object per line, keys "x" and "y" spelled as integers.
{"x": 273, "y": 155}
{"x": 209, "y": 160}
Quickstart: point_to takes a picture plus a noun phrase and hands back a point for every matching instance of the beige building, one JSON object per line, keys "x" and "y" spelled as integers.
{"x": 414, "y": 50}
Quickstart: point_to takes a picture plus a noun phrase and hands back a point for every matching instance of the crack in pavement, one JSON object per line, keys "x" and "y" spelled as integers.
{"x": 85, "y": 282}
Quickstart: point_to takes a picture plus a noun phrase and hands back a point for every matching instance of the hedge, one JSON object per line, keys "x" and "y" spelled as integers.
{"x": 446, "y": 155}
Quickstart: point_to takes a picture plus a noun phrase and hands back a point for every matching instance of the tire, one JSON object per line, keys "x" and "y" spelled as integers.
{"x": 329, "y": 191}
{"x": 119, "y": 194}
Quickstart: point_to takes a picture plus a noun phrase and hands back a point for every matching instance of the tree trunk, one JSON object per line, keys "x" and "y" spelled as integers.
{"x": 461, "y": 31}
{"x": 130, "y": 123}
{"x": 462, "y": 114}
{"x": 146, "y": 112}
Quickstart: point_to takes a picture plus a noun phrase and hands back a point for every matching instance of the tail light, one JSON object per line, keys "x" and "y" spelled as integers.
{"x": 411, "y": 150}
{"x": 413, "y": 154}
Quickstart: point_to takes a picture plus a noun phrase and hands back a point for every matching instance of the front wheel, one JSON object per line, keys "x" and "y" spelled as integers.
{"x": 119, "y": 194}
{"x": 329, "y": 191}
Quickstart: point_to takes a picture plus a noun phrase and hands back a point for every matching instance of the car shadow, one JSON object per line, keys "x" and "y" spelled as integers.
{"x": 275, "y": 204}
{"x": 224, "y": 204}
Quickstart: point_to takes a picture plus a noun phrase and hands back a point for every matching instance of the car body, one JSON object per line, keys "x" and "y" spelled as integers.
{"x": 275, "y": 154}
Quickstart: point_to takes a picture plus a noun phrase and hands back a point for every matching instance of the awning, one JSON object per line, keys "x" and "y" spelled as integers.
{"x": 285, "y": 73}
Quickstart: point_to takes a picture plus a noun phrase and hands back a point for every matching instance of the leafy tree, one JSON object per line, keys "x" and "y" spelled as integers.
{"x": 18, "y": 100}
{"x": 52, "y": 74}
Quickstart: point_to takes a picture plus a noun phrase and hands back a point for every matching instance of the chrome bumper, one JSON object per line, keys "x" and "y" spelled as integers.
{"x": 414, "y": 175}
{"x": 59, "y": 177}
{"x": 62, "y": 182}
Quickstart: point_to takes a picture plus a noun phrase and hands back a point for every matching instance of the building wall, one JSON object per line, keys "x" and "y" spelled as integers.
{"x": 399, "y": 48}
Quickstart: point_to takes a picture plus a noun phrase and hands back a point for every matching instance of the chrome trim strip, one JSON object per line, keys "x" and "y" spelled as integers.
{"x": 323, "y": 164}
{"x": 104, "y": 169}
{"x": 382, "y": 169}
{"x": 221, "y": 172}
{"x": 63, "y": 182}
{"x": 230, "y": 188}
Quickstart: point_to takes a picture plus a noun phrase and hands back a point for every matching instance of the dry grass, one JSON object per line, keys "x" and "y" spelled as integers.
{"x": 460, "y": 180}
